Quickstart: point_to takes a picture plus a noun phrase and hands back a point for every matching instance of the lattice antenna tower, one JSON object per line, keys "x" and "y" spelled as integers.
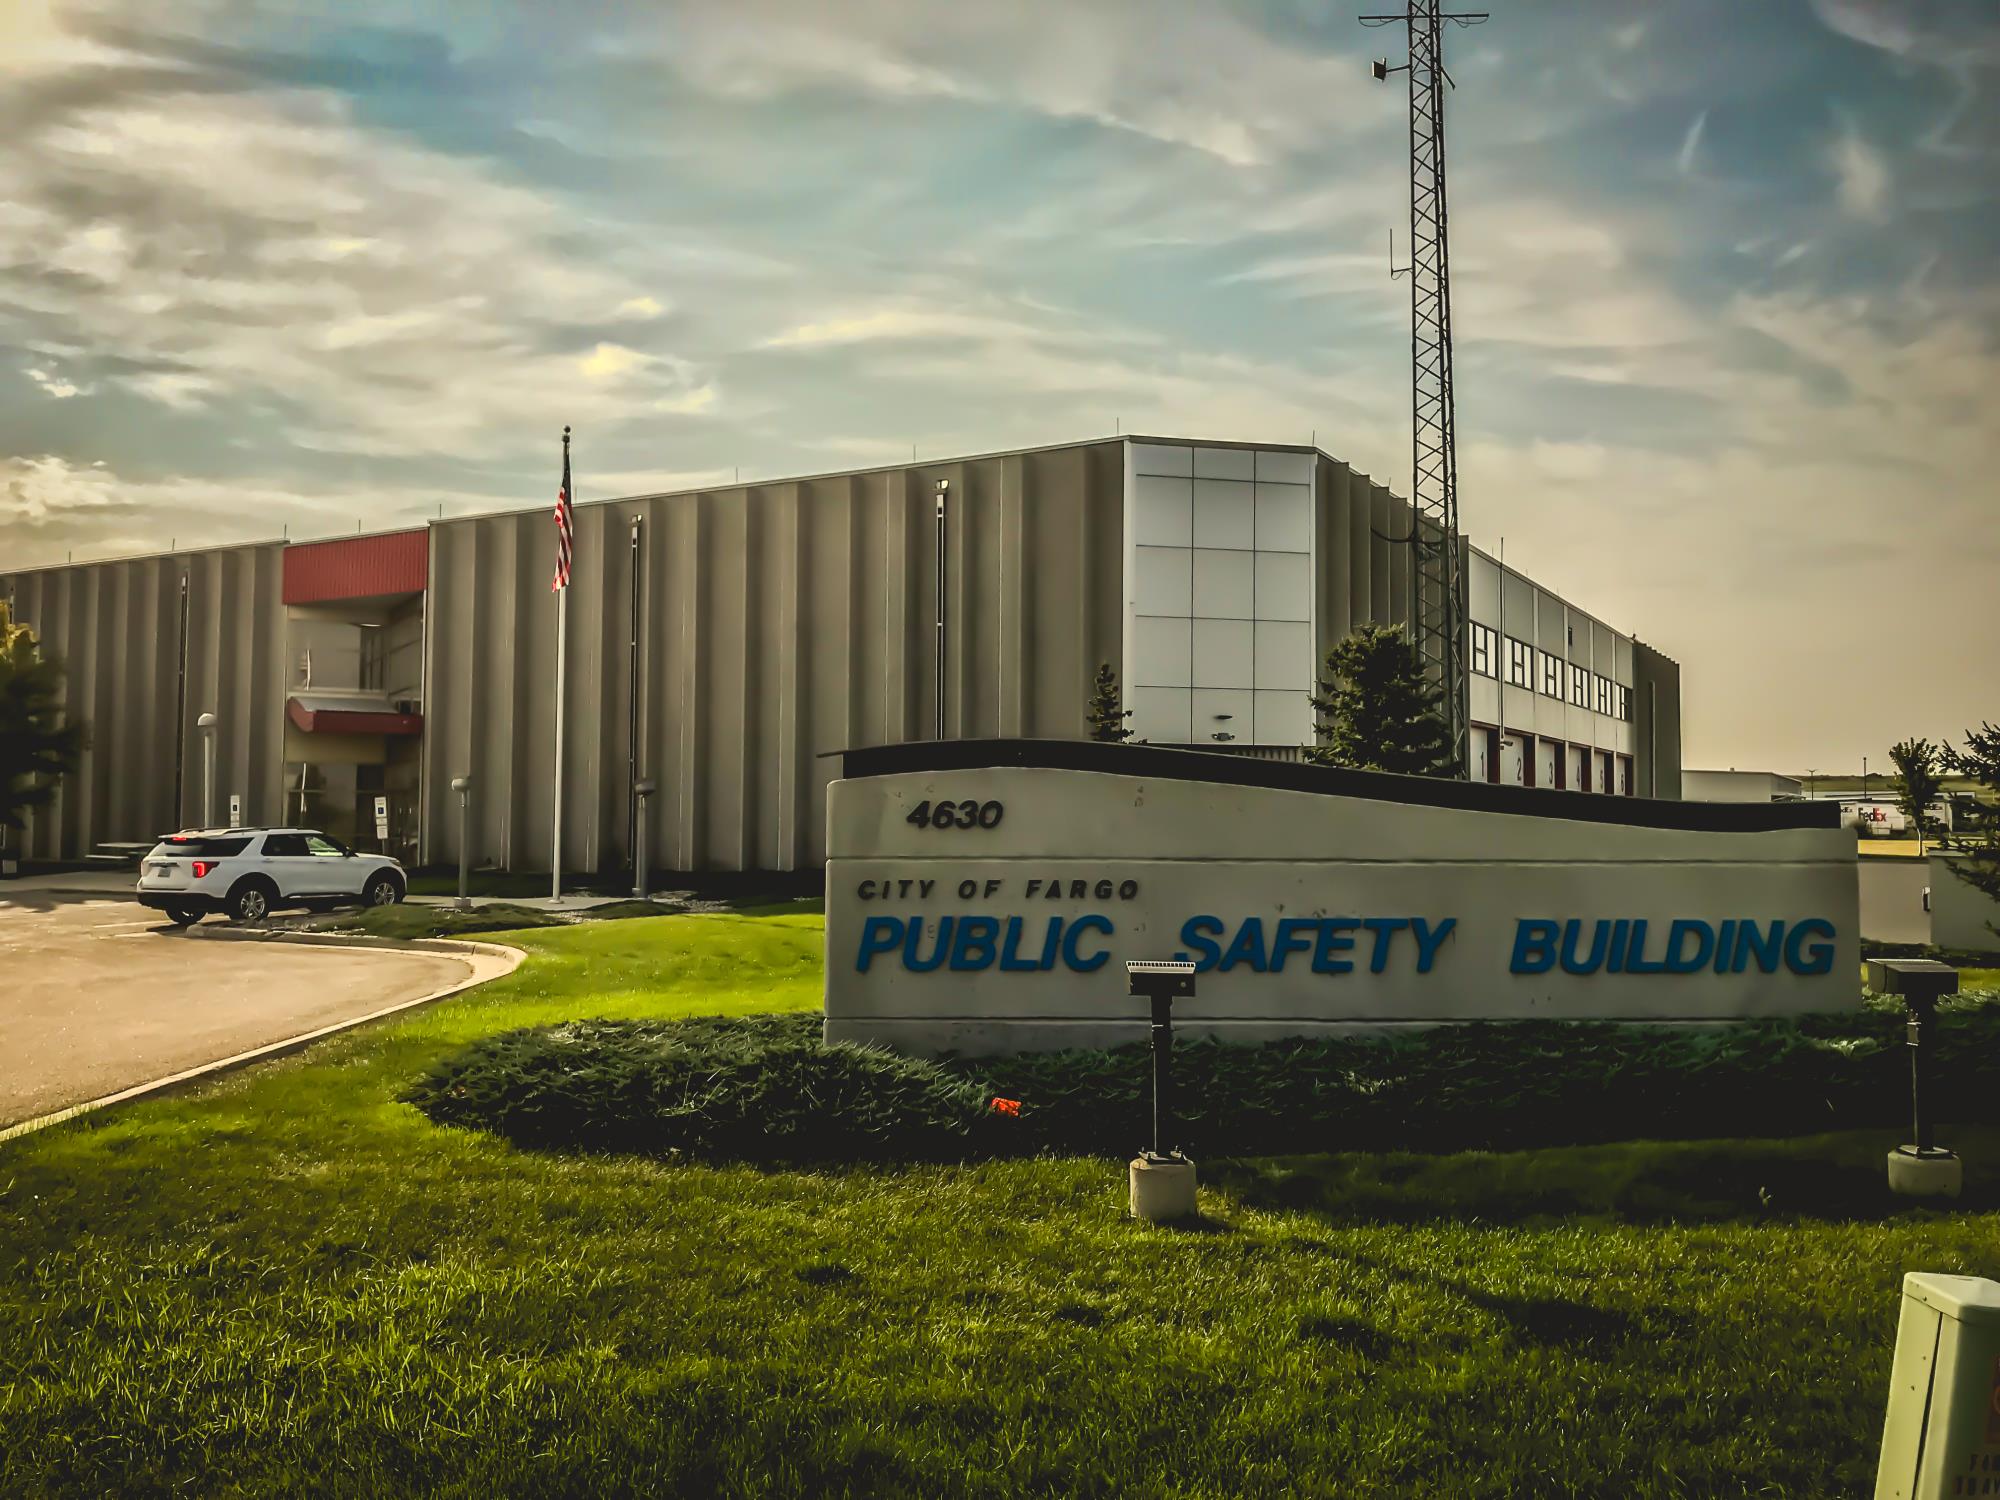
{"x": 1437, "y": 563}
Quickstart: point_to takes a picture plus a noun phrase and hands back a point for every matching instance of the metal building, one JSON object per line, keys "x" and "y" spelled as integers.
{"x": 723, "y": 642}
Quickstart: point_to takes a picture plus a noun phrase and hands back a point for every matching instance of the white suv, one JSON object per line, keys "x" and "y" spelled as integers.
{"x": 246, "y": 873}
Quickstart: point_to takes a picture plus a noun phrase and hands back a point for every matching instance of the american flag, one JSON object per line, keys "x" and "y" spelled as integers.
{"x": 565, "y": 524}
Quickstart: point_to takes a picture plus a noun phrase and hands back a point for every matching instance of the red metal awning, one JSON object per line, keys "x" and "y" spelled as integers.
{"x": 356, "y": 720}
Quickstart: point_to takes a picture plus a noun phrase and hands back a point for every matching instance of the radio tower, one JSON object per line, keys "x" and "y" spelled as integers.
{"x": 1437, "y": 566}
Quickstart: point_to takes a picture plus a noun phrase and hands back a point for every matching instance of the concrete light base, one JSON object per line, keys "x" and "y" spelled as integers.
{"x": 1937, "y": 1174}
{"x": 1162, "y": 1189}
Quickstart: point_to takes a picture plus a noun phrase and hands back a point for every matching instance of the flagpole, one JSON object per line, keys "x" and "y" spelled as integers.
{"x": 555, "y": 839}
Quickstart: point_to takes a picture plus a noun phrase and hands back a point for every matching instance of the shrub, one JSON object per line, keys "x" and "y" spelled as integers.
{"x": 757, "y": 1089}
{"x": 767, "y": 1089}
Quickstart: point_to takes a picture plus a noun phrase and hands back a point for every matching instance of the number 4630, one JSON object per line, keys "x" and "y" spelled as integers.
{"x": 966, "y": 814}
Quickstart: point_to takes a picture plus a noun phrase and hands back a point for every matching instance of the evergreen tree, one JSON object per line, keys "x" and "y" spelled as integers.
{"x": 1102, "y": 713}
{"x": 1980, "y": 760}
{"x": 1377, "y": 710}
{"x": 36, "y": 746}
{"x": 1917, "y": 782}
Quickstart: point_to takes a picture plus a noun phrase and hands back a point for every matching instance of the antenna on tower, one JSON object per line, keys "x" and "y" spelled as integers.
{"x": 1437, "y": 563}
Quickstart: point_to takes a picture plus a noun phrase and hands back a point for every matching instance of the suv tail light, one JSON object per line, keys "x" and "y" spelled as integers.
{"x": 203, "y": 866}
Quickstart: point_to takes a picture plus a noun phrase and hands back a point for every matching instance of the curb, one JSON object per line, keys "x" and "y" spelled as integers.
{"x": 204, "y": 933}
{"x": 512, "y": 956}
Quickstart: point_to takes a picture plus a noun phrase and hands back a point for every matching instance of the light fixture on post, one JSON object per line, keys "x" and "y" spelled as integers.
{"x": 206, "y": 724}
{"x": 943, "y": 488}
{"x": 463, "y": 786}
{"x": 1162, "y": 1180}
{"x": 641, "y": 791}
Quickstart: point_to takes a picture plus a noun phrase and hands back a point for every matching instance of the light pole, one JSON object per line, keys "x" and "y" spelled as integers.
{"x": 1812, "y": 784}
{"x": 463, "y": 786}
{"x": 643, "y": 789}
{"x": 206, "y": 724}
{"x": 943, "y": 489}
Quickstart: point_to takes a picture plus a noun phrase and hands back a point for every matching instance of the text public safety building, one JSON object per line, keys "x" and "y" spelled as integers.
{"x": 985, "y": 897}
{"x": 722, "y": 642}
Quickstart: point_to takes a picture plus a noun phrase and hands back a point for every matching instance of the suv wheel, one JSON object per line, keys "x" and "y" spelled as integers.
{"x": 382, "y": 891}
{"x": 250, "y": 902}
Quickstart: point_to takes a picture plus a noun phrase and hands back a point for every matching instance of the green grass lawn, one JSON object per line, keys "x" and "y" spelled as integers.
{"x": 291, "y": 1283}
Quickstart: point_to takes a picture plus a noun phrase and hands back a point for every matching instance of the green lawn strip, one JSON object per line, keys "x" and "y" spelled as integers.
{"x": 288, "y": 1282}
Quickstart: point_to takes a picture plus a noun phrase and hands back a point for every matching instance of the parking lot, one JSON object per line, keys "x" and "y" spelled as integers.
{"x": 98, "y": 995}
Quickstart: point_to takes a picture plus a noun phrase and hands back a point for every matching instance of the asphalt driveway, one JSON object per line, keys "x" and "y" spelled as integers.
{"x": 98, "y": 994}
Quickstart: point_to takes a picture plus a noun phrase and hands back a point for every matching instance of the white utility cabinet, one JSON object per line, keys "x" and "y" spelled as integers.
{"x": 1942, "y": 1435}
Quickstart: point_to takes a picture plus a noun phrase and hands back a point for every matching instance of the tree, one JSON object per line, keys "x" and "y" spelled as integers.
{"x": 1103, "y": 714}
{"x": 37, "y": 748}
{"x": 1980, "y": 760}
{"x": 1918, "y": 782}
{"x": 1377, "y": 710}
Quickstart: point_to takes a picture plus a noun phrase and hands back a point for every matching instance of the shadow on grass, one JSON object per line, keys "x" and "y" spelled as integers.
{"x": 1829, "y": 1177}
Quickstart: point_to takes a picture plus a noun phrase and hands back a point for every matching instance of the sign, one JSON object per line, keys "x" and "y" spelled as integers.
{"x": 235, "y": 809}
{"x": 381, "y": 820}
{"x": 980, "y": 909}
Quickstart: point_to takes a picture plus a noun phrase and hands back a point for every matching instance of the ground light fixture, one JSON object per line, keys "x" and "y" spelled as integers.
{"x": 641, "y": 790}
{"x": 1921, "y": 1169}
{"x": 1162, "y": 1179}
{"x": 463, "y": 786}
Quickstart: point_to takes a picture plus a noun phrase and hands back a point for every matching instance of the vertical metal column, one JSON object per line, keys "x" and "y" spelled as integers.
{"x": 634, "y": 648}
{"x": 180, "y": 708}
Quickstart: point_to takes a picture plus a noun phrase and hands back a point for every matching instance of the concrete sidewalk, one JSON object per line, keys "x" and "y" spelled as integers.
{"x": 73, "y": 883}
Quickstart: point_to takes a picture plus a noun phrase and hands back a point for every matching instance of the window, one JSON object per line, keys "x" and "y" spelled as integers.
{"x": 323, "y": 847}
{"x": 195, "y": 846}
{"x": 1552, "y": 676}
{"x": 285, "y": 846}
{"x": 372, "y": 658}
{"x": 1483, "y": 642}
{"x": 1579, "y": 687}
{"x": 1603, "y": 694}
{"x": 1624, "y": 703}
{"x": 1520, "y": 663}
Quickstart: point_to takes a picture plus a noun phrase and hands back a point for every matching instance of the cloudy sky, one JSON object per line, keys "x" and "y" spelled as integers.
{"x": 1728, "y": 311}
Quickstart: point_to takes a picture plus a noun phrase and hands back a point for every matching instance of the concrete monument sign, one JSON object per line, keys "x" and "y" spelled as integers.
{"x": 983, "y": 896}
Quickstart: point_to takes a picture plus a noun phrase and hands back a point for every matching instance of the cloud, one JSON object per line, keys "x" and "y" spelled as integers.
{"x": 1948, "y": 33}
{"x": 55, "y": 499}
{"x": 1193, "y": 76}
{"x": 640, "y": 308}
{"x": 215, "y": 251}
{"x": 54, "y": 386}
{"x": 609, "y": 361}
{"x": 1686, "y": 158}
{"x": 1861, "y": 175}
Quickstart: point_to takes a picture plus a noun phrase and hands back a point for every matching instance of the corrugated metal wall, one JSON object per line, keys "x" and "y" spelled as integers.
{"x": 782, "y": 621}
{"x": 1656, "y": 723}
{"x": 1364, "y": 577}
{"x": 116, "y": 626}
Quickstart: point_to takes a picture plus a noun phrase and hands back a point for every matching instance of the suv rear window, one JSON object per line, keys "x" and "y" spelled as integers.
{"x": 192, "y": 846}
